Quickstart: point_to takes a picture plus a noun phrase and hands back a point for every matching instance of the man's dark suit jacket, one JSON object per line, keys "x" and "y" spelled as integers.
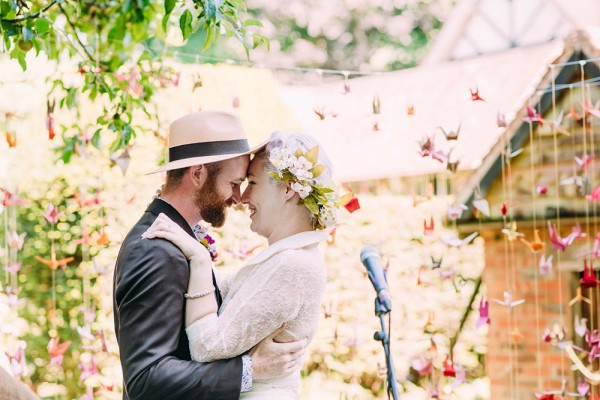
{"x": 151, "y": 277}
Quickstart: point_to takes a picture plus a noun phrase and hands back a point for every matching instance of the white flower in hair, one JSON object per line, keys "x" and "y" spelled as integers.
{"x": 328, "y": 216}
{"x": 301, "y": 169}
{"x": 303, "y": 191}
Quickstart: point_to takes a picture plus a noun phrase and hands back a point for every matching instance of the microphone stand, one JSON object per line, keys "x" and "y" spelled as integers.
{"x": 384, "y": 338}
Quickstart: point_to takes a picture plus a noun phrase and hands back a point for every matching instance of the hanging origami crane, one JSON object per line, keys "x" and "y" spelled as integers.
{"x": 580, "y": 326}
{"x": 451, "y": 135}
{"x": 589, "y": 277}
{"x": 455, "y": 241}
{"x": 54, "y": 263}
{"x": 537, "y": 244}
{"x": 57, "y": 350}
{"x": 501, "y": 120}
{"x": 545, "y": 265}
{"x": 475, "y": 95}
{"x": 484, "y": 314}
{"x": 508, "y": 301}
{"x": 533, "y": 116}
{"x": 584, "y": 162}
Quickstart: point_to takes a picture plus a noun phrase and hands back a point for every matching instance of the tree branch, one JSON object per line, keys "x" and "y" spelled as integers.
{"x": 91, "y": 58}
{"x": 31, "y": 16}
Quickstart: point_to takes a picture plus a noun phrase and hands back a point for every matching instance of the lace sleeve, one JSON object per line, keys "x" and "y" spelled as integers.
{"x": 274, "y": 294}
{"x": 223, "y": 281}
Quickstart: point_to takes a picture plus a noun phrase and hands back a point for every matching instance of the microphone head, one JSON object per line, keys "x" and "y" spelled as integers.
{"x": 367, "y": 252}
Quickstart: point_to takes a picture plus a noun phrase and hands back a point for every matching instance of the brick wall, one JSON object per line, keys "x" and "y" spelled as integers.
{"x": 512, "y": 361}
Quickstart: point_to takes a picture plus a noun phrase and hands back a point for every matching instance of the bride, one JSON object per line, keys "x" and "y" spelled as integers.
{"x": 291, "y": 204}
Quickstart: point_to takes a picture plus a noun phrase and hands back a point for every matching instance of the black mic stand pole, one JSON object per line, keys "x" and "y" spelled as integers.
{"x": 384, "y": 338}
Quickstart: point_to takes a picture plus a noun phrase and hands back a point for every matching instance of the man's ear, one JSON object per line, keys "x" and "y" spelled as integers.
{"x": 289, "y": 192}
{"x": 198, "y": 175}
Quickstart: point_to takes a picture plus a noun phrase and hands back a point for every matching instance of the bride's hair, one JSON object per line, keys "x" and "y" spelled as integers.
{"x": 291, "y": 142}
{"x": 284, "y": 144}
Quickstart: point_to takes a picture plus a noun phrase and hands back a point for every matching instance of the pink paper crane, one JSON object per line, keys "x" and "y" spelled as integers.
{"x": 484, "y": 314}
{"x": 595, "y": 248}
{"x": 594, "y": 196}
{"x": 501, "y": 120}
{"x": 88, "y": 370}
{"x": 558, "y": 242}
{"x": 52, "y": 215}
{"x": 545, "y": 265}
{"x": 533, "y": 116}
{"x": 584, "y": 162}
{"x": 18, "y": 366}
{"x": 422, "y": 365}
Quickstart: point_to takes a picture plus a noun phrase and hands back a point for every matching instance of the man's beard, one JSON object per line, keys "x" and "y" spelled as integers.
{"x": 213, "y": 208}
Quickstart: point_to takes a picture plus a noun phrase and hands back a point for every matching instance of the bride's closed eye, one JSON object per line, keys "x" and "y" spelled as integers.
{"x": 251, "y": 182}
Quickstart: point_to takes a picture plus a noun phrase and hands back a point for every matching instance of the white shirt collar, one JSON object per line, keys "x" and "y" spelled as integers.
{"x": 297, "y": 241}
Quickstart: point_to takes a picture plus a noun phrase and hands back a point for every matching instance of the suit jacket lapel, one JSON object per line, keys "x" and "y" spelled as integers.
{"x": 160, "y": 206}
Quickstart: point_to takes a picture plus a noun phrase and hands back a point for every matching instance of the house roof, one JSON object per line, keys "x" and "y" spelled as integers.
{"x": 477, "y": 27}
{"x": 440, "y": 95}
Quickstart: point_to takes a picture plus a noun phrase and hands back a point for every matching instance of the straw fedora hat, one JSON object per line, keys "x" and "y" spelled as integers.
{"x": 204, "y": 137}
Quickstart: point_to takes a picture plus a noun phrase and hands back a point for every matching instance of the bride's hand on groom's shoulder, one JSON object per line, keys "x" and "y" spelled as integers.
{"x": 163, "y": 227}
{"x": 271, "y": 359}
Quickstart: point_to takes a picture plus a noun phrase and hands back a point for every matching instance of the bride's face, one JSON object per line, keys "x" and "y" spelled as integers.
{"x": 265, "y": 200}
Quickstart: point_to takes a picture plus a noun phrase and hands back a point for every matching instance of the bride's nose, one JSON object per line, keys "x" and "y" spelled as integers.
{"x": 246, "y": 195}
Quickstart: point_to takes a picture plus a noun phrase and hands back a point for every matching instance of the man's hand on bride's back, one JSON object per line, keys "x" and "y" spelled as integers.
{"x": 271, "y": 359}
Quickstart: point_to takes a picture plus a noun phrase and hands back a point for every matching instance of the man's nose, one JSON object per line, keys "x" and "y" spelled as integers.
{"x": 236, "y": 197}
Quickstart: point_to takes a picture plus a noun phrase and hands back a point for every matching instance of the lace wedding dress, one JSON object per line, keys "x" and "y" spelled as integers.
{"x": 284, "y": 283}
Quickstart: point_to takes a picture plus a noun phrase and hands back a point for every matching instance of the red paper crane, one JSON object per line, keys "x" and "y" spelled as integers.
{"x": 589, "y": 276}
{"x": 428, "y": 229}
{"x": 50, "y": 118}
{"x": 57, "y": 350}
{"x": 352, "y": 204}
{"x": 475, "y": 95}
{"x": 449, "y": 367}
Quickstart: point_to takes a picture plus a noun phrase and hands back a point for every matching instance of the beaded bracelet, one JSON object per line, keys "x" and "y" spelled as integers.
{"x": 198, "y": 295}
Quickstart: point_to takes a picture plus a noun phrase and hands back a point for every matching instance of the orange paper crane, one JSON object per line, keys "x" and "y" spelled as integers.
{"x": 537, "y": 244}
{"x": 53, "y": 263}
{"x": 579, "y": 298}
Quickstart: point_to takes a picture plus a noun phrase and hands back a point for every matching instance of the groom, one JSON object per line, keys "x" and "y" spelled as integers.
{"x": 208, "y": 159}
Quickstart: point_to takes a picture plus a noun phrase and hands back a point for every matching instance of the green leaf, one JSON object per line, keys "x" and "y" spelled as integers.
{"x": 28, "y": 34}
{"x": 252, "y": 22}
{"x": 210, "y": 34}
{"x": 312, "y": 155}
{"x": 169, "y": 6}
{"x": 185, "y": 23}
{"x": 317, "y": 170}
{"x": 96, "y": 139}
{"x": 311, "y": 204}
{"x": 42, "y": 26}
{"x": 210, "y": 9}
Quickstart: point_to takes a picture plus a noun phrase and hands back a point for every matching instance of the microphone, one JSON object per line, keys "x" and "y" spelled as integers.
{"x": 371, "y": 259}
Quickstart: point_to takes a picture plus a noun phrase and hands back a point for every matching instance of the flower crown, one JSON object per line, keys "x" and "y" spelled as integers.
{"x": 302, "y": 170}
